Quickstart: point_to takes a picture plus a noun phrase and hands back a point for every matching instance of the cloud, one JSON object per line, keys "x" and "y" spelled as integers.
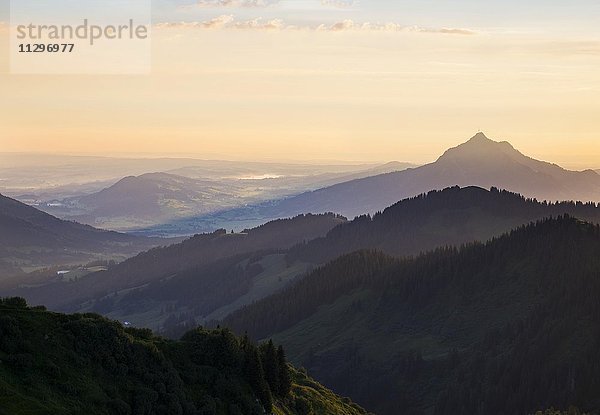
{"x": 227, "y": 21}
{"x": 258, "y": 4}
{"x": 218, "y": 22}
{"x": 350, "y": 25}
{"x": 234, "y": 3}
{"x": 274, "y": 24}
{"x": 341, "y": 4}
{"x": 450, "y": 31}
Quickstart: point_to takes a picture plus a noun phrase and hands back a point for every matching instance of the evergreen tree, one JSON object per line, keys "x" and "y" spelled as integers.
{"x": 285, "y": 380}
{"x": 268, "y": 355}
{"x": 255, "y": 375}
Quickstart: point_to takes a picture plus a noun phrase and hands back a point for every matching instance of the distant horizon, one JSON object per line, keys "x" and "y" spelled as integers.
{"x": 319, "y": 80}
{"x": 568, "y": 164}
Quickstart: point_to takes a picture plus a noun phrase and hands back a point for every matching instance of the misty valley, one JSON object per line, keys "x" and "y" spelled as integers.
{"x": 465, "y": 286}
{"x": 299, "y": 207}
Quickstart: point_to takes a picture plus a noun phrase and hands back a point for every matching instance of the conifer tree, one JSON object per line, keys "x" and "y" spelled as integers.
{"x": 268, "y": 355}
{"x": 255, "y": 375}
{"x": 285, "y": 381}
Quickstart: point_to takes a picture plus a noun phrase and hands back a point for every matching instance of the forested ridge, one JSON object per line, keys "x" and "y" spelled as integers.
{"x": 511, "y": 326}
{"x": 32, "y": 238}
{"x": 185, "y": 257}
{"x": 208, "y": 276}
{"x": 84, "y": 363}
{"x": 452, "y": 216}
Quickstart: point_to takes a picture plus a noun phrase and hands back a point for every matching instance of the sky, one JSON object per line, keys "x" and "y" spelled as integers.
{"x": 369, "y": 80}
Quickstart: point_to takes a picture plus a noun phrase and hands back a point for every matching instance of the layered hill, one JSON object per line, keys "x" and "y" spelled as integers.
{"x": 211, "y": 275}
{"x": 163, "y": 203}
{"x": 452, "y": 216}
{"x": 509, "y": 326}
{"x": 148, "y": 199}
{"x": 66, "y": 364}
{"x": 478, "y": 162}
{"x": 30, "y": 238}
{"x": 192, "y": 278}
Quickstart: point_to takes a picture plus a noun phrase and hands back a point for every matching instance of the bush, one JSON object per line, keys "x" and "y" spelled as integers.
{"x": 303, "y": 406}
{"x": 14, "y": 302}
{"x": 11, "y": 339}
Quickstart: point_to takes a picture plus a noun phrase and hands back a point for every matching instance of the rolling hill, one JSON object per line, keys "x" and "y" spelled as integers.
{"x": 161, "y": 203}
{"x": 30, "y": 239}
{"x": 67, "y": 364}
{"x": 452, "y": 216}
{"x": 189, "y": 279}
{"x": 138, "y": 201}
{"x": 510, "y": 326}
{"x": 212, "y": 275}
{"x": 478, "y": 162}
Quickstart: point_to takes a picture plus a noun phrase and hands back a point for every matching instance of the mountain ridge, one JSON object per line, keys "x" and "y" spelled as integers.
{"x": 24, "y": 228}
{"x": 190, "y": 258}
{"x": 452, "y": 216}
{"x": 211, "y": 275}
{"x": 509, "y": 326}
{"x": 65, "y": 364}
{"x": 479, "y": 162}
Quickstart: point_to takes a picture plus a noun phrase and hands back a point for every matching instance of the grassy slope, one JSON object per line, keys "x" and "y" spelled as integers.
{"x": 310, "y": 397}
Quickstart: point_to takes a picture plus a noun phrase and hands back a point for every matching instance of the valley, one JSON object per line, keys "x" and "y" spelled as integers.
{"x": 437, "y": 303}
{"x": 301, "y": 207}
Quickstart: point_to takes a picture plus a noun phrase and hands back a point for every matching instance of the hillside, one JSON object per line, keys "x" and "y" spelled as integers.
{"x": 189, "y": 279}
{"x": 478, "y": 162}
{"x": 149, "y": 199}
{"x": 66, "y": 364}
{"x": 452, "y": 216}
{"x": 30, "y": 238}
{"x": 510, "y": 326}
{"x": 212, "y": 275}
{"x": 168, "y": 204}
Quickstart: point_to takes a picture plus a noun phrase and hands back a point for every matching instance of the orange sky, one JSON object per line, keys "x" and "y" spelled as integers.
{"x": 294, "y": 94}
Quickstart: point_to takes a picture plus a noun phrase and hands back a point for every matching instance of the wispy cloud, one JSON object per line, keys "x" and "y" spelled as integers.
{"x": 350, "y": 25}
{"x": 227, "y": 21}
{"x": 273, "y": 24}
{"x": 342, "y": 4}
{"x": 233, "y": 3}
{"x": 218, "y": 22}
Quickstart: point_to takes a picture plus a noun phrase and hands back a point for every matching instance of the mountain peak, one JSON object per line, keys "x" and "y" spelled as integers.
{"x": 480, "y": 136}
{"x": 481, "y": 147}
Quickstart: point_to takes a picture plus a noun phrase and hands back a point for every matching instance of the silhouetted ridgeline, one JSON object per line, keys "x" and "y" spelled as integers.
{"x": 66, "y": 364}
{"x": 32, "y": 238}
{"x": 188, "y": 257}
{"x": 209, "y": 276}
{"x": 506, "y": 327}
{"x": 452, "y": 216}
{"x": 478, "y": 162}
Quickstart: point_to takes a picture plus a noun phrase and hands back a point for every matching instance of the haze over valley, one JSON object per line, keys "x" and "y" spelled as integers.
{"x": 86, "y": 189}
{"x": 300, "y": 207}
{"x": 382, "y": 275}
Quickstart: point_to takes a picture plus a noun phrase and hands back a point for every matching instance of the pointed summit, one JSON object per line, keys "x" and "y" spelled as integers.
{"x": 480, "y": 136}
{"x": 478, "y": 148}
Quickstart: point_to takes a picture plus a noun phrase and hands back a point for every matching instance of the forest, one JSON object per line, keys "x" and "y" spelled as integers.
{"x": 85, "y": 363}
{"x": 452, "y": 216}
{"x": 504, "y": 327}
